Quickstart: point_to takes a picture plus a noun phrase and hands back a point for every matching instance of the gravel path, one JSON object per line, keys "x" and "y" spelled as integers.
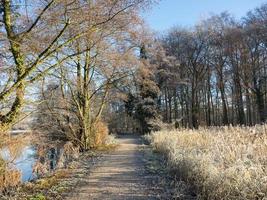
{"x": 121, "y": 175}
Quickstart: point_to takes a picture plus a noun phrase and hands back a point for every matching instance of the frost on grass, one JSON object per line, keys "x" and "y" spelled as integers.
{"x": 221, "y": 163}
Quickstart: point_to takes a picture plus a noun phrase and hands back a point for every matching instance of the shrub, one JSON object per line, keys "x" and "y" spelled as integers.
{"x": 100, "y": 134}
{"x": 8, "y": 177}
{"x": 221, "y": 163}
{"x": 110, "y": 140}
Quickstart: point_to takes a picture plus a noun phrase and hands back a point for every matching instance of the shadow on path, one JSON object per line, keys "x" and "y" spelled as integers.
{"x": 120, "y": 175}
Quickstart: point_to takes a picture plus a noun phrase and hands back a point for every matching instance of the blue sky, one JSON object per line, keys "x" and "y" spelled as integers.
{"x": 169, "y": 13}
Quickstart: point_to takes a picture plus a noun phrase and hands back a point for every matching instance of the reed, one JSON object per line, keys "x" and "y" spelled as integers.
{"x": 220, "y": 162}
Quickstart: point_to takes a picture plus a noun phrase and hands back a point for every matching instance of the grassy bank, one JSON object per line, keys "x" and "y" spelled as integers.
{"x": 221, "y": 163}
{"x": 54, "y": 184}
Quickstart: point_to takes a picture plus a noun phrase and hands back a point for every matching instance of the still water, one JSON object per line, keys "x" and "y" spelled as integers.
{"x": 27, "y": 158}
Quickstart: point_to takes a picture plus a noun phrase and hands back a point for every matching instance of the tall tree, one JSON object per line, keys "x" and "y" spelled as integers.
{"x": 36, "y": 43}
{"x": 104, "y": 57}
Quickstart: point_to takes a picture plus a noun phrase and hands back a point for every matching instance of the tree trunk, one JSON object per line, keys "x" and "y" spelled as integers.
{"x": 8, "y": 119}
{"x": 260, "y": 105}
{"x": 170, "y": 106}
{"x": 166, "y": 104}
{"x": 224, "y": 105}
{"x": 194, "y": 111}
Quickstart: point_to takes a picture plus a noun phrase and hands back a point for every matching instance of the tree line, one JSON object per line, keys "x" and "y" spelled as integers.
{"x": 93, "y": 65}
{"x": 219, "y": 76}
{"x": 66, "y": 56}
{"x": 212, "y": 74}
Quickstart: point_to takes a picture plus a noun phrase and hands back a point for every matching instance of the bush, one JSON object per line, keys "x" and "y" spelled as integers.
{"x": 110, "y": 140}
{"x": 221, "y": 163}
{"x": 101, "y": 133}
{"x": 8, "y": 177}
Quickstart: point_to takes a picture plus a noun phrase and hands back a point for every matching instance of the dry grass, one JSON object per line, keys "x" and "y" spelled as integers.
{"x": 101, "y": 133}
{"x": 10, "y": 177}
{"x": 109, "y": 144}
{"x": 47, "y": 182}
{"x": 221, "y": 163}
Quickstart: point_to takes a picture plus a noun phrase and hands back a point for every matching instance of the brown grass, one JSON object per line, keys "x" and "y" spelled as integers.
{"x": 45, "y": 183}
{"x": 8, "y": 177}
{"x": 101, "y": 133}
{"x": 221, "y": 163}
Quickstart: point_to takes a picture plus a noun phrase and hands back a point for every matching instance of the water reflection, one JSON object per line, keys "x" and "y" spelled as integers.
{"x": 34, "y": 161}
{"x": 29, "y": 159}
{"x": 53, "y": 157}
{"x": 23, "y": 162}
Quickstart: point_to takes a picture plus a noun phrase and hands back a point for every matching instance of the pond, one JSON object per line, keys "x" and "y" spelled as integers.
{"x": 27, "y": 158}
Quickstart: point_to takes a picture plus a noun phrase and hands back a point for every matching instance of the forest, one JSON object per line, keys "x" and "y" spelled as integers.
{"x": 81, "y": 77}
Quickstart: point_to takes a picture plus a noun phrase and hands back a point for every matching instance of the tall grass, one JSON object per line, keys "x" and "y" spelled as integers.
{"x": 10, "y": 177}
{"x": 221, "y": 163}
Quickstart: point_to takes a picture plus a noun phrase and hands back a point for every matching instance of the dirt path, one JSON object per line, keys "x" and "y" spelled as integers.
{"x": 120, "y": 176}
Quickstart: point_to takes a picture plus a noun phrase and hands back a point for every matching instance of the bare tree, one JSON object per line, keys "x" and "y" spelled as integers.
{"x": 37, "y": 43}
{"x": 103, "y": 57}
